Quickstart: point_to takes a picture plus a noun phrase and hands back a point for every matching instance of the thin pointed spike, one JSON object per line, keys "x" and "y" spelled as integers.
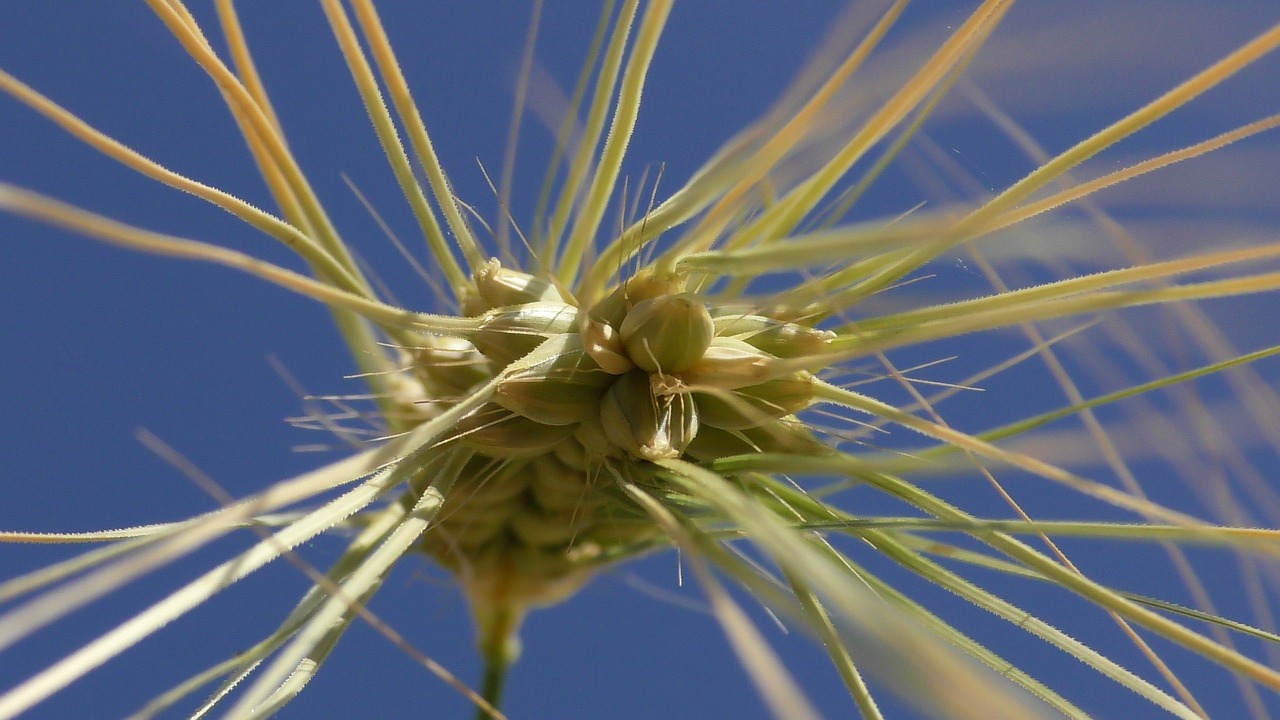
{"x": 416, "y": 129}
{"x": 394, "y": 150}
{"x": 507, "y": 176}
{"x": 627, "y": 109}
{"x": 583, "y": 156}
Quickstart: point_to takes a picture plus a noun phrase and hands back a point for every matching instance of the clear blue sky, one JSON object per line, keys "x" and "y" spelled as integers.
{"x": 96, "y": 342}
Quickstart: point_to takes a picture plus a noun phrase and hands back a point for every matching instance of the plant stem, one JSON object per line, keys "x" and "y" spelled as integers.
{"x": 495, "y": 675}
{"x": 498, "y": 624}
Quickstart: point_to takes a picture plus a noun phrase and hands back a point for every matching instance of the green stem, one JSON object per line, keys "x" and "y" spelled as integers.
{"x": 495, "y": 675}
{"x": 498, "y": 625}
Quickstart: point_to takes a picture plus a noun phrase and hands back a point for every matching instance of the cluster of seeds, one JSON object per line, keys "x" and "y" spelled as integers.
{"x": 649, "y": 372}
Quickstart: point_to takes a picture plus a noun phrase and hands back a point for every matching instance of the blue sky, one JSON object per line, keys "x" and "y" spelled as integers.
{"x": 98, "y": 342}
